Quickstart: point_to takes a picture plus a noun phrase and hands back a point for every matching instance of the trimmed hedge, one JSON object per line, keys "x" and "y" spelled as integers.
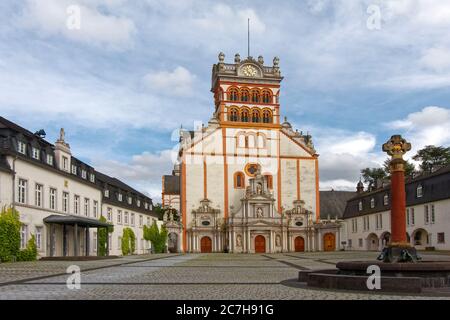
{"x": 9, "y": 234}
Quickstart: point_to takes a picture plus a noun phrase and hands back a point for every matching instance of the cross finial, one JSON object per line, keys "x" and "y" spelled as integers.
{"x": 396, "y": 147}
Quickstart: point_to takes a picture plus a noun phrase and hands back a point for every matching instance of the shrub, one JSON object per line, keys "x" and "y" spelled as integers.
{"x": 9, "y": 234}
{"x": 157, "y": 237}
{"x": 102, "y": 237}
{"x": 128, "y": 242}
{"x": 30, "y": 252}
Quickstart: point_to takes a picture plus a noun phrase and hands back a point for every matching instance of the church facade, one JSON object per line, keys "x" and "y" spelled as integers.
{"x": 249, "y": 183}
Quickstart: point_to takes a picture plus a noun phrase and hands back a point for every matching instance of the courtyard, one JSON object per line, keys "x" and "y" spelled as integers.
{"x": 194, "y": 276}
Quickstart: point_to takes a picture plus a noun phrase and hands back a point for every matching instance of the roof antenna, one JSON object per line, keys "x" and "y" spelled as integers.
{"x": 248, "y": 37}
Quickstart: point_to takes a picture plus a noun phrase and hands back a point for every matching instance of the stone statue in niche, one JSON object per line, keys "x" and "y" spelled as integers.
{"x": 239, "y": 241}
{"x": 259, "y": 213}
{"x": 259, "y": 188}
{"x": 278, "y": 241}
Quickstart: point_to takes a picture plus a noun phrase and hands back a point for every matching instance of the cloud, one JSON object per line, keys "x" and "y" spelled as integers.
{"x": 178, "y": 82}
{"x": 143, "y": 172}
{"x": 430, "y": 126}
{"x": 80, "y": 21}
{"x": 437, "y": 59}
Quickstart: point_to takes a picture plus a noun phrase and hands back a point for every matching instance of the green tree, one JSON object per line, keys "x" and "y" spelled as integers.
{"x": 158, "y": 209}
{"x": 432, "y": 156}
{"x": 409, "y": 168}
{"x": 157, "y": 237}
{"x": 128, "y": 243}
{"x": 9, "y": 234}
{"x": 103, "y": 236}
{"x": 371, "y": 175}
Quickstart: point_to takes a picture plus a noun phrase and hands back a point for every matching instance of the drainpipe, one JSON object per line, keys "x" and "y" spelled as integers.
{"x": 14, "y": 184}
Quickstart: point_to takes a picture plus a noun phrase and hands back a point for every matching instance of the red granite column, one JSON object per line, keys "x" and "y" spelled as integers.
{"x": 398, "y": 204}
{"x": 396, "y": 147}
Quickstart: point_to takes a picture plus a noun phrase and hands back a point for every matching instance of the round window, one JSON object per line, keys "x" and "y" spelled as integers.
{"x": 299, "y": 223}
{"x": 206, "y": 223}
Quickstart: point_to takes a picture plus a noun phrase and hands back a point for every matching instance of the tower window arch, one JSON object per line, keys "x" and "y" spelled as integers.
{"x": 233, "y": 94}
{"x": 245, "y": 95}
{"x": 255, "y": 95}
{"x": 267, "y": 116}
{"x": 234, "y": 114}
{"x": 244, "y": 115}
{"x": 266, "y": 96}
{"x": 239, "y": 180}
{"x": 255, "y": 116}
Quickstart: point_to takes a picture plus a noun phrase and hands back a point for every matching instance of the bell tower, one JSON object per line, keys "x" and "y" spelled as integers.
{"x": 246, "y": 92}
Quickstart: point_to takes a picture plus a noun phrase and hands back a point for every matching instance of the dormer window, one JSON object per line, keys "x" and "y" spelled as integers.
{"x": 21, "y": 147}
{"x": 120, "y": 197}
{"x": 130, "y": 200}
{"x": 50, "y": 159}
{"x": 386, "y": 200}
{"x": 419, "y": 191}
{"x": 138, "y": 202}
{"x": 74, "y": 169}
{"x": 151, "y": 207}
{"x": 372, "y": 203}
{"x": 92, "y": 177}
{"x": 106, "y": 193}
{"x": 83, "y": 174}
{"x": 360, "y": 206}
{"x": 146, "y": 205}
{"x": 36, "y": 153}
{"x": 65, "y": 163}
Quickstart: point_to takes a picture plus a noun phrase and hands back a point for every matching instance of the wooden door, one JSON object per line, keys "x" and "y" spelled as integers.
{"x": 206, "y": 245}
{"x": 260, "y": 244}
{"x": 329, "y": 242}
{"x": 299, "y": 244}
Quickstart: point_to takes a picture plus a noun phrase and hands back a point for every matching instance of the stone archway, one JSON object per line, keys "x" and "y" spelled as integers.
{"x": 206, "y": 245}
{"x": 372, "y": 242}
{"x": 329, "y": 242}
{"x": 260, "y": 244}
{"x": 299, "y": 244}
{"x": 172, "y": 242}
{"x": 420, "y": 237}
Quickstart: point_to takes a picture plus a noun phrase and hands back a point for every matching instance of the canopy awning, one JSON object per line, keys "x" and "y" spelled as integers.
{"x": 76, "y": 220}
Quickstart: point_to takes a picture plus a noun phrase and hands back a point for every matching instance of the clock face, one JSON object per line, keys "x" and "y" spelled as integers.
{"x": 249, "y": 71}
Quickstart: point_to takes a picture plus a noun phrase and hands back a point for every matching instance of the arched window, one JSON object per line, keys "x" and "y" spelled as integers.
{"x": 251, "y": 141}
{"x": 267, "y": 116}
{"x": 269, "y": 181}
{"x": 244, "y": 115}
{"x": 266, "y": 96}
{"x": 261, "y": 141}
{"x": 245, "y": 94}
{"x": 255, "y": 116}
{"x": 233, "y": 94}
{"x": 239, "y": 180}
{"x": 234, "y": 114}
{"x": 255, "y": 96}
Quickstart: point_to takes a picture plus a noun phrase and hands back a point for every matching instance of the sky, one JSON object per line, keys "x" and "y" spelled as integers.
{"x": 122, "y": 76}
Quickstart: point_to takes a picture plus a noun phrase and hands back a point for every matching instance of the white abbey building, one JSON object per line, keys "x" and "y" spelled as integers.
{"x": 61, "y": 198}
{"x": 367, "y": 215}
{"x": 247, "y": 181}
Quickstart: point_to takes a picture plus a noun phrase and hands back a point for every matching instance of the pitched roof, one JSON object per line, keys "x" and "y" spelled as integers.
{"x": 435, "y": 186}
{"x": 332, "y": 203}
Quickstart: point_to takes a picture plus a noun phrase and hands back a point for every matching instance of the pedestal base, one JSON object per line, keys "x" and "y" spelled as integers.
{"x": 399, "y": 254}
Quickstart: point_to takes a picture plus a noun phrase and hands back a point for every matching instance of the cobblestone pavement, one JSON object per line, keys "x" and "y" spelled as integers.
{"x": 199, "y": 276}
